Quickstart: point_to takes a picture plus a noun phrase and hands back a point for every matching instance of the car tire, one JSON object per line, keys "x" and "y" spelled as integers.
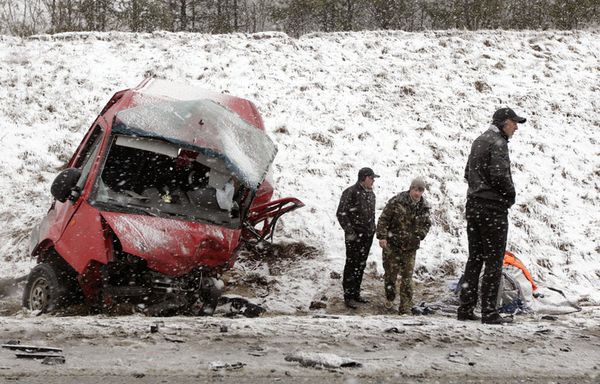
{"x": 47, "y": 289}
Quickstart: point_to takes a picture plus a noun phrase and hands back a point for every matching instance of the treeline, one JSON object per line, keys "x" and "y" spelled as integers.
{"x": 295, "y": 17}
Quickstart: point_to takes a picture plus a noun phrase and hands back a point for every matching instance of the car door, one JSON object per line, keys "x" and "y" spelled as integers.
{"x": 60, "y": 213}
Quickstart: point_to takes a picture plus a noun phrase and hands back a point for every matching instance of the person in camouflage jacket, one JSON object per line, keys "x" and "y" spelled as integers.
{"x": 402, "y": 225}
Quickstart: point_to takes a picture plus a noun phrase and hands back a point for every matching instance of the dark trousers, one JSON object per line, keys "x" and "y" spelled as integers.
{"x": 487, "y": 229}
{"x": 357, "y": 251}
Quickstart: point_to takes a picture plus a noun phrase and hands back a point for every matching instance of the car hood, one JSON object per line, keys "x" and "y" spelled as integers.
{"x": 173, "y": 247}
{"x": 204, "y": 126}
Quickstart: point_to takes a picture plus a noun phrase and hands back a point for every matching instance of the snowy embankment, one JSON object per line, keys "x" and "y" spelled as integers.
{"x": 405, "y": 104}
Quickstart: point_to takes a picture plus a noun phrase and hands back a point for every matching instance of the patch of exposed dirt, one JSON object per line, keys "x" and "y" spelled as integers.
{"x": 276, "y": 253}
{"x": 258, "y": 266}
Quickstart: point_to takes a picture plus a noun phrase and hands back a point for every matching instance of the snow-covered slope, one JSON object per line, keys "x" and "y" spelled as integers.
{"x": 405, "y": 104}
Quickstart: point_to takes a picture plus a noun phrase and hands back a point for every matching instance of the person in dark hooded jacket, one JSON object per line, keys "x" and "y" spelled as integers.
{"x": 356, "y": 215}
{"x": 403, "y": 224}
{"x": 490, "y": 194}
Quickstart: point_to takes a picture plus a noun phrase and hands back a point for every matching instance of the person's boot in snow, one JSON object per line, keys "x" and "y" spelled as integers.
{"x": 388, "y": 304}
{"x": 467, "y": 316}
{"x": 404, "y": 311}
{"x": 350, "y": 303}
{"x": 496, "y": 319}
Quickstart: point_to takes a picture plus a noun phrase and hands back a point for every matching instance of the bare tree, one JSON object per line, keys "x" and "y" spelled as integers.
{"x": 23, "y": 18}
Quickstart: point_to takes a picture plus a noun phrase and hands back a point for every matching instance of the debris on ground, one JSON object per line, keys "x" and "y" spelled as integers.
{"x": 53, "y": 360}
{"x": 154, "y": 328}
{"x": 231, "y": 306}
{"x": 173, "y": 340}
{"x": 422, "y": 309}
{"x": 35, "y": 355}
{"x": 257, "y": 350}
{"x": 325, "y": 317}
{"x": 459, "y": 358}
{"x": 48, "y": 355}
{"x": 414, "y": 324}
{"x": 317, "y": 305}
{"x": 322, "y": 360}
{"x": 30, "y": 348}
{"x": 219, "y": 365}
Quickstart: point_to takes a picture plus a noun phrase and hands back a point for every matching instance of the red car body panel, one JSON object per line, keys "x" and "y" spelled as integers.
{"x": 173, "y": 247}
{"x": 83, "y": 239}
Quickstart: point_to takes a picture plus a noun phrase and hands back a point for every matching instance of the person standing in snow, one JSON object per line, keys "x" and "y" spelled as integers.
{"x": 490, "y": 194}
{"x": 402, "y": 226}
{"x": 356, "y": 215}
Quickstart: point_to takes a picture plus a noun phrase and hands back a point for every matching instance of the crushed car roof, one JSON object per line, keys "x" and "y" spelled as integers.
{"x": 195, "y": 119}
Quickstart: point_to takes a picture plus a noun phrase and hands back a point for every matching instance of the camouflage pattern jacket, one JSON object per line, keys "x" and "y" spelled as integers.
{"x": 403, "y": 223}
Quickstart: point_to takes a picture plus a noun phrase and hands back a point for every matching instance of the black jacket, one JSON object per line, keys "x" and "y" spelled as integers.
{"x": 488, "y": 170}
{"x": 356, "y": 210}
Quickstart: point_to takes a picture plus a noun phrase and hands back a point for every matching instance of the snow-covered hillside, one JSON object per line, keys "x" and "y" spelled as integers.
{"x": 405, "y": 104}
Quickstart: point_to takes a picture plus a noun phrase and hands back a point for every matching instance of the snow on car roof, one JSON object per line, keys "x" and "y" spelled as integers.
{"x": 193, "y": 118}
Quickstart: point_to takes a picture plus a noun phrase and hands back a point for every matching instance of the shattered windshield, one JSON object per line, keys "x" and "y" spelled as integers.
{"x": 245, "y": 150}
{"x": 154, "y": 177}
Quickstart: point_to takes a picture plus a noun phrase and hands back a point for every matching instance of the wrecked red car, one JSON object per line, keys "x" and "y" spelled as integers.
{"x": 165, "y": 188}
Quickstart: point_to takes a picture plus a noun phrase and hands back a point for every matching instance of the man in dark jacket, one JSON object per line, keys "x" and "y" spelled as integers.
{"x": 356, "y": 214}
{"x": 402, "y": 225}
{"x": 490, "y": 194}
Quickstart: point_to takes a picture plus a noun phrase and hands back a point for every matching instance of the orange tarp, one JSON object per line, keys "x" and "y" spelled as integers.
{"x": 511, "y": 259}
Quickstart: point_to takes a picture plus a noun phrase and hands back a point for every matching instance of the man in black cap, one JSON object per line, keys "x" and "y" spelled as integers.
{"x": 356, "y": 215}
{"x": 490, "y": 194}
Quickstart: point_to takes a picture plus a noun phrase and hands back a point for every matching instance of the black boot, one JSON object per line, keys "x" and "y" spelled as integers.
{"x": 467, "y": 316}
{"x": 350, "y": 303}
{"x": 496, "y": 319}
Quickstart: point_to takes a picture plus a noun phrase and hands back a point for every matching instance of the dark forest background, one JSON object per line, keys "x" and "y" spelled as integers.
{"x": 295, "y": 17}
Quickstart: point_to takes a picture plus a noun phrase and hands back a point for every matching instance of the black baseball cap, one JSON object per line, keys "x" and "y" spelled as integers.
{"x": 504, "y": 114}
{"x": 366, "y": 171}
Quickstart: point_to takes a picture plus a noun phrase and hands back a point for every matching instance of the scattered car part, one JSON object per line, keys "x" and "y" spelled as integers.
{"x": 218, "y": 365}
{"x": 322, "y": 360}
{"x": 30, "y": 348}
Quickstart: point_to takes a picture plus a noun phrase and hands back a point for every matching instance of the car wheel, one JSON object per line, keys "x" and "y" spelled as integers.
{"x": 46, "y": 289}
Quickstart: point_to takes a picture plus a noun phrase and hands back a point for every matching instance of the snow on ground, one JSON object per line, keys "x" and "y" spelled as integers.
{"x": 307, "y": 349}
{"x": 405, "y": 104}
